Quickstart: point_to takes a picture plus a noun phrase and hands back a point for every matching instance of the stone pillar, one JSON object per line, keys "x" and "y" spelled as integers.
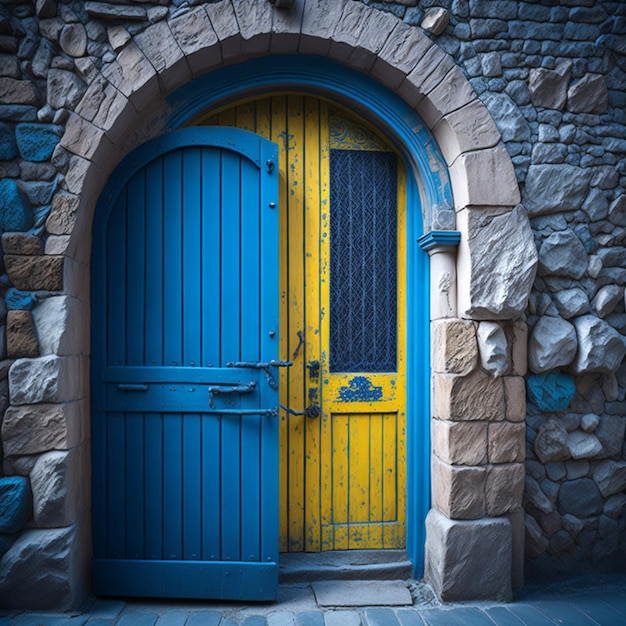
{"x": 441, "y": 247}
{"x": 477, "y": 434}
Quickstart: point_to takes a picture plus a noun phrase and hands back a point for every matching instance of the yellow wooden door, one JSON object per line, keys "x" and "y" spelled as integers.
{"x": 342, "y": 208}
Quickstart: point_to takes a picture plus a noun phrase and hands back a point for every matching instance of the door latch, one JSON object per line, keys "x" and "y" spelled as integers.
{"x": 312, "y": 411}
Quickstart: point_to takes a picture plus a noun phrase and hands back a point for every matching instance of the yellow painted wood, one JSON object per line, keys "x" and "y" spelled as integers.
{"x": 343, "y": 475}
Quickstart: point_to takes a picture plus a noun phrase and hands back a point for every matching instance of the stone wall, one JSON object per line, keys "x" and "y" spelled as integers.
{"x": 551, "y": 75}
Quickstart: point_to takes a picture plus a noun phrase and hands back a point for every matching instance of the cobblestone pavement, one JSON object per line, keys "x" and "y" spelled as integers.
{"x": 597, "y": 601}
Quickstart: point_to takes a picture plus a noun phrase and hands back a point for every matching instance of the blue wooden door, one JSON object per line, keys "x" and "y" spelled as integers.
{"x": 184, "y": 371}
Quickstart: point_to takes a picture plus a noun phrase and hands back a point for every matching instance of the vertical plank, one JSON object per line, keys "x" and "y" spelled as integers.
{"x": 153, "y": 467}
{"x": 294, "y": 140}
{"x": 376, "y": 481}
{"x": 154, "y": 263}
{"x": 190, "y": 270}
{"x": 340, "y": 480}
{"x": 192, "y": 489}
{"x": 134, "y": 522}
{"x": 390, "y": 476}
{"x": 116, "y": 289}
{"x": 230, "y": 306}
{"x": 251, "y": 302}
{"x": 172, "y": 351}
{"x": 116, "y": 492}
{"x": 211, "y": 281}
{"x": 211, "y": 488}
{"x": 153, "y": 324}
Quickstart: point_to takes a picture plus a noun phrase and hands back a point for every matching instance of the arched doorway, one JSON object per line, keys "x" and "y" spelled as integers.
{"x": 344, "y": 190}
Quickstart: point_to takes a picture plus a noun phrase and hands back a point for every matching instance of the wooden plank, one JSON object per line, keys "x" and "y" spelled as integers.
{"x": 134, "y": 477}
{"x": 192, "y": 488}
{"x": 153, "y": 456}
{"x": 210, "y": 340}
{"x": 211, "y": 488}
{"x": 191, "y": 256}
{"x": 153, "y": 315}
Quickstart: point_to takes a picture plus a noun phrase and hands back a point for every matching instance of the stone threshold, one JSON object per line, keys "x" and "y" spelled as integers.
{"x": 344, "y": 565}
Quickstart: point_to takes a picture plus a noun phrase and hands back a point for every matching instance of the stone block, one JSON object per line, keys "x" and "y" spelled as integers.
{"x": 8, "y": 148}
{"x": 580, "y": 498}
{"x": 457, "y": 553}
{"x": 15, "y": 503}
{"x": 453, "y": 346}
{"x": 110, "y": 11}
{"x": 453, "y": 92}
{"x": 504, "y": 488}
{"x": 63, "y": 214}
{"x": 563, "y": 254}
{"x": 57, "y": 244}
{"x": 73, "y": 39}
{"x": 21, "y": 243}
{"x": 552, "y": 188}
{"x": 535, "y": 541}
{"x": 548, "y": 88}
{"x": 225, "y": 26}
{"x": 551, "y": 442}
{"x": 197, "y": 39}
{"x": 162, "y": 50}
{"x": 399, "y": 56}
{"x": 43, "y": 570}
{"x": 56, "y": 483}
{"x": 507, "y": 442}
{"x": 65, "y": 89}
{"x": 318, "y": 22}
{"x": 21, "y": 335}
{"x": 255, "y": 26}
{"x": 551, "y": 392}
{"x": 583, "y": 445}
{"x": 35, "y": 273}
{"x": 435, "y": 20}
{"x": 460, "y": 443}
{"x": 469, "y": 128}
{"x": 515, "y": 398}
{"x": 493, "y": 348}
{"x": 134, "y": 76}
{"x": 83, "y": 138}
{"x": 46, "y": 379}
{"x": 476, "y": 397}
{"x": 509, "y": 120}
{"x": 496, "y": 266}
{"x": 610, "y": 476}
{"x": 459, "y": 492}
{"x": 28, "y": 430}
{"x": 61, "y": 326}
{"x": 610, "y": 432}
{"x": 14, "y": 91}
{"x": 286, "y": 27}
{"x": 552, "y": 344}
{"x": 19, "y": 300}
{"x": 484, "y": 178}
{"x": 518, "y": 340}
{"x": 359, "y": 35}
{"x": 16, "y": 213}
{"x": 428, "y": 73}
{"x": 600, "y": 347}
{"x": 588, "y": 95}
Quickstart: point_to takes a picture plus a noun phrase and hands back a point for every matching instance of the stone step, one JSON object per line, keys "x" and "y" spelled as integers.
{"x": 344, "y": 565}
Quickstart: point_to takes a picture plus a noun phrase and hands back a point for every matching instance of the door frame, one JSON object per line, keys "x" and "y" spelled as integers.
{"x": 427, "y": 185}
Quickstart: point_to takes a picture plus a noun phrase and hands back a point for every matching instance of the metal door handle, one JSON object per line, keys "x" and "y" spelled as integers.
{"x": 312, "y": 411}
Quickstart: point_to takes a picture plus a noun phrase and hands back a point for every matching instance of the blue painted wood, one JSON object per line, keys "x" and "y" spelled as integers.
{"x": 427, "y": 185}
{"x": 186, "y": 492}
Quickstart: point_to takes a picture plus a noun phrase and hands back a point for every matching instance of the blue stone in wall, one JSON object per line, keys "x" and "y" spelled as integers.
{"x": 15, "y": 503}
{"x": 19, "y": 300}
{"x": 5, "y": 544}
{"x": 16, "y": 214}
{"x": 7, "y": 143}
{"x": 36, "y": 142}
{"x": 551, "y": 392}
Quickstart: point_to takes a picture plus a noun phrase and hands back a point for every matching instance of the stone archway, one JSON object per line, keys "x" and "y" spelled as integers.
{"x": 478, "y": 295}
